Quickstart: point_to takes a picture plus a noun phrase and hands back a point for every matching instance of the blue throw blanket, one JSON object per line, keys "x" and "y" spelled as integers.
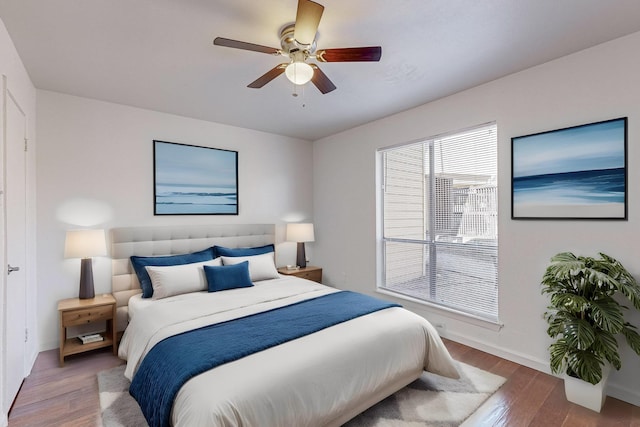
{"x": 176, "y": 359}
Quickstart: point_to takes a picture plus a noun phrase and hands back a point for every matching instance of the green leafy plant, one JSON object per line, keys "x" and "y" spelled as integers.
{"x": 584, "y": 318}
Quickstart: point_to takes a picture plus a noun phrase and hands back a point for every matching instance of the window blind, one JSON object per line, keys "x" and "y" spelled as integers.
{"x": 440, "y": 221}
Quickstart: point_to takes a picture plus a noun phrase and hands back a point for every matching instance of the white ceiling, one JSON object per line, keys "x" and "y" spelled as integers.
{"x": 159, "y": 55}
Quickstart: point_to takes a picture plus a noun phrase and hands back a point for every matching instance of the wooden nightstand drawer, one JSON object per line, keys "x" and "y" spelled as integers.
{"x": 315, "y": 275}
{"x": 309, "y": 273}
{"x": 87, "y": 315}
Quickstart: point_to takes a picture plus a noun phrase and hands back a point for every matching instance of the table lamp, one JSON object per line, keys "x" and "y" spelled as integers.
{"x": 300, "y": 233}
{"x": 85, "y": 244}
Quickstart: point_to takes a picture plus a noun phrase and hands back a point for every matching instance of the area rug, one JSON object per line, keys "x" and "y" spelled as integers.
{"x": 431, "y": 401}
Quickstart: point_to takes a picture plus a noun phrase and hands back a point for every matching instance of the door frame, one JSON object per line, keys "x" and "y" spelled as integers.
{"x": 4, "y": 420}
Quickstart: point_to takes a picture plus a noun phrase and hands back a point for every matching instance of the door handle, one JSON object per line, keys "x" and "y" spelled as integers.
{"x": 11, "y": 269}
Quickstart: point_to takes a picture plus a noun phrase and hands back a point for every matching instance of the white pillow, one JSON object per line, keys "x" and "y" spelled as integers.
{"x": 172, "y": 280}
{"x": 261, "y": 267}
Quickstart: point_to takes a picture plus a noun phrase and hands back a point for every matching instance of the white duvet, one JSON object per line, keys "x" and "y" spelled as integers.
{"x": 323, "y": 379}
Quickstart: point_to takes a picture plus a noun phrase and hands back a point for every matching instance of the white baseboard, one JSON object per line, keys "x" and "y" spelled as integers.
{"x": 614, "y": 390}
{"x": 49, "y": 345}
{"x": 519, "y": 358}
{"x": 623, "y": 393}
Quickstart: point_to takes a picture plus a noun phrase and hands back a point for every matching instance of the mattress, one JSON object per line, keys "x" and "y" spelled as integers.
{"x": 137, "y": 303}
{"x": 320, "y": 379}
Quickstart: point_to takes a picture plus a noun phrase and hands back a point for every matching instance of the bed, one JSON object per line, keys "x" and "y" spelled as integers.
{"x": 324, "y": 377}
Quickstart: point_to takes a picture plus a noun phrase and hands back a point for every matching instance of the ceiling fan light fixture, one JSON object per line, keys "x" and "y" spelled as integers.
{"x": 299, "y": 73}
{"x": 298, "y": 44}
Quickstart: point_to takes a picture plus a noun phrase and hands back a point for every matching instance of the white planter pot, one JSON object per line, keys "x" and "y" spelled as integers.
{"x": 586, "y": 394}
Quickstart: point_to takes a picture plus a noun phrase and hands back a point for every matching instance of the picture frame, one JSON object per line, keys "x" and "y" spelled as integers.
{"x": 574, "y": 173}
{"x": 194, "y": 180}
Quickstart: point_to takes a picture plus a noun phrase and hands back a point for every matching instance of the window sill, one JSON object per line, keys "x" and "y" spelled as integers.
{"x": 448, "y": 312}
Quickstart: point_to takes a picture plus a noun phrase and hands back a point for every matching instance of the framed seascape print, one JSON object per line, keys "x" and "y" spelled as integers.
{"x": 192, "y": 180}
{"x": 578, "y": 172}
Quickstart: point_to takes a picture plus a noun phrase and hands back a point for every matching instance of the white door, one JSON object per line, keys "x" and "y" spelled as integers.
{"x": 16, "y": 284}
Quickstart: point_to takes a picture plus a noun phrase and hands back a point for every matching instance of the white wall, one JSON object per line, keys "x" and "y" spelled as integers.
{"x": 596, "y": 84}
{"x": 95, "y": 167}
{"x": 19, "y": 83}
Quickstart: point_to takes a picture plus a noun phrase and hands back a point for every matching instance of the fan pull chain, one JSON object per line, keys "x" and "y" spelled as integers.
{"x": 295, "y": 93}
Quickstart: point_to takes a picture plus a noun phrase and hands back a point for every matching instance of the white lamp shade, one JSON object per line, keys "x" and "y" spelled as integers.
{"x": 300, "y": 232}
{"x": 299, "y": 72}
{"x": 85, "y": 244}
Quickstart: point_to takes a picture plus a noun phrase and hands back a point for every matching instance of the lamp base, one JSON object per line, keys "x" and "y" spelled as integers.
{"x": 301, "y": 260}
{"x": 86, "y": 279}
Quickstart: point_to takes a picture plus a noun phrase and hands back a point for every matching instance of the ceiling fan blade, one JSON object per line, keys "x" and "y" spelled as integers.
{"x": 268, "y": 76}
{"x": 321, "y": 80}
{"x": 221, "y": 41}
{"x": 307, "y": 21}
{"x": 348, "y": 54}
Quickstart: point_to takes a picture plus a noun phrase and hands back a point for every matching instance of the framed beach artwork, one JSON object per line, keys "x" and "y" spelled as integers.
{"x": 192, "y": 180}
{"x": 578, "y": 172}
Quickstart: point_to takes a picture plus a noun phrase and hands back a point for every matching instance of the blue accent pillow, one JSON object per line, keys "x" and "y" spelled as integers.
{"x": 140, "y": 262}
{"x": 258, "y": 250}
{"x": 225, "y": 277}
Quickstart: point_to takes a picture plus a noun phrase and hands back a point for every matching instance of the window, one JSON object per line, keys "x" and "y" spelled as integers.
{"x": 439, "y": 221}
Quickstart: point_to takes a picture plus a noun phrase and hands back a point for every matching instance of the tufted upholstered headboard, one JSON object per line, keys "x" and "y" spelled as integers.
{"x": 171, "y": 240}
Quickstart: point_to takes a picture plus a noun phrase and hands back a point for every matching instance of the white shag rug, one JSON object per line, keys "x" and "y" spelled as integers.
{"x": 431, "y": 401}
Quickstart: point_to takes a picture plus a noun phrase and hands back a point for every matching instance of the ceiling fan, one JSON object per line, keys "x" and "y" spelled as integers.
{"x": 298, "y": 43}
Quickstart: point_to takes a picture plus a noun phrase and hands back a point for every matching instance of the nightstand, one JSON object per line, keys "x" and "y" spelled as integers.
{"x": 75, "y": 311}
{"x": 310, "y": 273}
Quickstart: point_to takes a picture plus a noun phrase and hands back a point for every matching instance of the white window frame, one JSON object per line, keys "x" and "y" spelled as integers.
{"x": 482, "y": 319}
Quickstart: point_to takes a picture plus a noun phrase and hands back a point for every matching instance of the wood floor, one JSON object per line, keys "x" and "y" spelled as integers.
{"x": 68, "y": 396}
{"x": 532, "y": 398}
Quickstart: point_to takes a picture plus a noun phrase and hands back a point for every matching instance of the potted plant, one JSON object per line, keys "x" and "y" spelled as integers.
{"x": 584, "y": 319}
